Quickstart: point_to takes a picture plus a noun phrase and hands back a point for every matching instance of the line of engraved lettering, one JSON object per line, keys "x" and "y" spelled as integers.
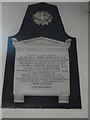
{"x": 41, "y": 49}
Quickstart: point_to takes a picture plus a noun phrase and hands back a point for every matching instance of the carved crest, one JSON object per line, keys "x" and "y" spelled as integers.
{"x": 42, "y": 18}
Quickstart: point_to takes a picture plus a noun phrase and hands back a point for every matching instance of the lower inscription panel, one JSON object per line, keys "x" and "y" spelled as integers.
{"x": 41, "y": 71}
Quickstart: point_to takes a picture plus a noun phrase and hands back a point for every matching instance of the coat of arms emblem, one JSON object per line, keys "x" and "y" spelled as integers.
{"x": 42, "y": 18}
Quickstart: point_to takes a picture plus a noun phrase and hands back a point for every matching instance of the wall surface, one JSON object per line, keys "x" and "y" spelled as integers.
{"x": 75, "y": 20}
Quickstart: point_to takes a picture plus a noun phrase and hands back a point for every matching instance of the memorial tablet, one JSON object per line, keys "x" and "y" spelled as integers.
{"x": 41, "y": 69}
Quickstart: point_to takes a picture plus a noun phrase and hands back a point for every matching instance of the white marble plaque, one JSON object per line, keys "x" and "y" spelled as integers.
{"x": 41, "y": 70}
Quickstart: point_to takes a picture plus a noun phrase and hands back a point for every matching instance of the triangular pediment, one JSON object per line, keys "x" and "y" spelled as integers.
{"x": 41, "y": 41}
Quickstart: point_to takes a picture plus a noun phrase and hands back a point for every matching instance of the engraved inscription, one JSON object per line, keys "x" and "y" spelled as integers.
{"x": 40, "y": 69}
